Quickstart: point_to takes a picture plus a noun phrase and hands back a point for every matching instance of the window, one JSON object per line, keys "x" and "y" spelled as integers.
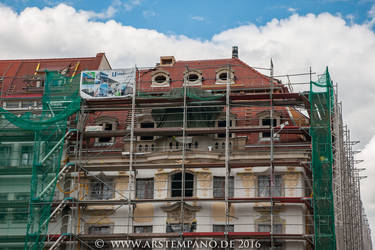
{"x": 105, "y": 229}
{"x": 3, "y": 211}
{"x": 267, "y": 122}
{"x": 26, "y": 155}
{"x": 176, "y": 228}
{"x": 223, "y": 75}
{"x": 5, "y": 155}
{"x": 147, "y": 125}
{"x": 144, "y": 188}
{"x": 221, "y": 228}
{"x": 267, "y": 246}
{"x": 13, "y": 104}
{"x": 223, "y": 124}
{"x": 27, "y": 104}
{"x": 142, "y": 229}
{"x": 264, "y": 185}
{"x": 160, "y": 79}
{"x": 277, "y": 228}
{"x": 106, "y": 127}
{"x": 101, "y": 191}
{"x": 219, "y": 186}
{"x": 193, "y": 78}
{"x": 176, "y": 185}
{"x": 21, "y": 213}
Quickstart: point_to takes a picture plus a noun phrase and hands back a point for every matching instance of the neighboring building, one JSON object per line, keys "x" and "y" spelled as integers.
{"x": 21, "y": 91}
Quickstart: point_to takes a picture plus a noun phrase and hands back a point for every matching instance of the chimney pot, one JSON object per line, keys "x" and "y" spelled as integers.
{"x": 235, "y": 52}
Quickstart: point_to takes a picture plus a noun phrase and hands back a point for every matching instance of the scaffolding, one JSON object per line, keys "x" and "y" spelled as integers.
{"x": 218, "y": 153}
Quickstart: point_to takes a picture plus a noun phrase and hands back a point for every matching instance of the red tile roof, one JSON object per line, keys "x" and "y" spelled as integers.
{"x": 245, "y": 76}
{"x": 16, "y": 74}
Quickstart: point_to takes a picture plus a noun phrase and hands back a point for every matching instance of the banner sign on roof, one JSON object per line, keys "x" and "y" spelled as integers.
{"x": 97, "y": 84}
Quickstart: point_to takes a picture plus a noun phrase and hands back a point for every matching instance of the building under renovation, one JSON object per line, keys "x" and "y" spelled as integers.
{"x": 186, "y": 155}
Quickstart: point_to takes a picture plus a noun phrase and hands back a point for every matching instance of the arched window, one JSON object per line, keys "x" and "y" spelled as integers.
{"x": 160, "y": 79}
{"x": 193, "y": 78}
{"x": 223, "y": 75}
{"x": 176, "y": 184}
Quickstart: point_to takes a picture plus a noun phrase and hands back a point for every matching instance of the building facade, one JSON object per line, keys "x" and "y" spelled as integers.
{"x": 205, "y": 151}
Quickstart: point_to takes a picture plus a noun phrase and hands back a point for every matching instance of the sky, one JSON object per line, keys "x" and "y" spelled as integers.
{"x": 295, "y": 34}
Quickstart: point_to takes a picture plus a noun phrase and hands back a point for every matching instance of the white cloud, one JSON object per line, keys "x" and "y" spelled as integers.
{"x": 149, "y": 13}
{"x": 294, "y": 43}
{"x": 371, "y": 14}
{"x": 107, "y": 14}
{"x": 292, "y": 10}
{"x": 130, "y": 4}
{"x": 198, "y": 18}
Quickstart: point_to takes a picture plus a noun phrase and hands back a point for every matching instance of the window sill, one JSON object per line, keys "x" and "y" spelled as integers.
{"x": 101, "y": 144}
{"x": 161, "y": 85}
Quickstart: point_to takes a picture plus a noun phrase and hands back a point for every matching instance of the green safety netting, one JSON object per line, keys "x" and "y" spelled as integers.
{"x": 31, "y": 150}
{"x": 321, "y": 101}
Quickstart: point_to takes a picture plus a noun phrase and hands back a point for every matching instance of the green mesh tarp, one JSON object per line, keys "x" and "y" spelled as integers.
{"x": 31, "y": 148}
{"x": 321, "y": 95}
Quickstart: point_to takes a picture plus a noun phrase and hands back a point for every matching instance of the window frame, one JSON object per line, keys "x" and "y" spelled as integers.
{"x": 278, "y": 188}
{"x": 30, "y": 156}
{"x": 179, "y": 189}
{"x": 104, "y": 121}
{"x": 101, "y": 195}
{"x": 276, "y": 123}
{"x": 219, "y": 192}
{"x": 110, "y": 227}
{"x": 158, "y": 73}
{"x": 229, "y": 73}
{"x": 135, "y": 227}
{"x": 148, "y": 192}
{"x": 197, "y": 82}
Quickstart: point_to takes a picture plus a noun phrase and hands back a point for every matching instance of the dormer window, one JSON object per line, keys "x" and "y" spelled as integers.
{"x": 108, "y": 124}
{"x": 266, "y": 122}
{"x": 160, "y": 79}
{"x": 167, "y": 60}
{"x": 193, "y": 78}
{"x": 223, "y": 75}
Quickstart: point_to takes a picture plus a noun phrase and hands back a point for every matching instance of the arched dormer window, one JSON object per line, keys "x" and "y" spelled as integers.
{"x": 223, "y": 75}
{"x": 160, "y": 78}
{"x": 193, "y": 78}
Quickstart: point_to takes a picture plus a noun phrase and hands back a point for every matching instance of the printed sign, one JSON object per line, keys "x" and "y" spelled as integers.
{"x": 97, "y": 84}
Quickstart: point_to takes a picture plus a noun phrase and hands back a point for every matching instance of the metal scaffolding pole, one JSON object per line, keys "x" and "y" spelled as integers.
{"x": 184, "y": 124}
{"x": 227, "y": 152}
{"x": 131, "y": 158}
{"x": 272, "y": 168}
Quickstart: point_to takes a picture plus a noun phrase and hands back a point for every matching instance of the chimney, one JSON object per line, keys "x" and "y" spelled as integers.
{"x": 235, "y": 52}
